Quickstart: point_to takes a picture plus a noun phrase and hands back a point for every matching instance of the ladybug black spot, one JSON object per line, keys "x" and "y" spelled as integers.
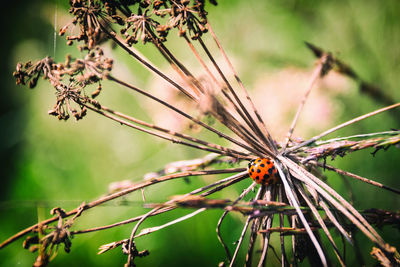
{"x": 268, "y": 162}
{"x": 262, "y": 165}
{"x": 270, "y": 170}
{"x": 258, "y": 171}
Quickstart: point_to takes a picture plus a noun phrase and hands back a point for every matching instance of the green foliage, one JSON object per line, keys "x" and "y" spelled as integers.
{"x": 65, "y": 163}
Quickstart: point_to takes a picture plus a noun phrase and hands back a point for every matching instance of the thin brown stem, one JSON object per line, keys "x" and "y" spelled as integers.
{"x": 358, "y": 177}
{"x": 294, "y": 250}
{"x": 254, "y": 231}
{"x": 176, "y": 134}
{"x": 230, "y": 101}
{"x": 173, "y": 140}
{"x": 284, "y": 259}
{"x": 335, "y": 222}
{"x": 239, "y": 81}
{"x": 150, "y": 230}
{"x": 220, "y": 112}
{"x": 360, "y": 118}
{"x": 142, "y": 219}
{"x": 270, "y": 195}
{"x": 107, "y": 198}
{"x": 244, "y": 130}
{"x": 241, "y": 196}
{"x": 239, "y": 242}
{"x": 247, "y": 117}
{"x": 289, "y": 190}
{"x": 348, "y": 210}
{"x": 220, "y": 134}
{"x": 145, "y": 63}
{"x": 266, "y": 241}
{"x": 316, "y": 74}
{"x": 131, "y": 220}
{"x": 230, "y": 180}
{"x": 177, "y": 65}
{"x": 201, "y": 61}
{"x": 320, "y": 221}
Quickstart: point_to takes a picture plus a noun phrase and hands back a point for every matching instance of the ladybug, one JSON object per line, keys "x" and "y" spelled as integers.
{"x": 263, "y": 171}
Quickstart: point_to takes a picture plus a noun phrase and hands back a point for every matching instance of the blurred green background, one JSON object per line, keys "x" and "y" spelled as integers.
{"x": 47, "y": 163}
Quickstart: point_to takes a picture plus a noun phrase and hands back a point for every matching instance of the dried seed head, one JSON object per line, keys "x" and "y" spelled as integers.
{"x": 69, "y": 79}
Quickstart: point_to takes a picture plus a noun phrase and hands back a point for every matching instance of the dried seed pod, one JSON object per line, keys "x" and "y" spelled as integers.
{"x": 97, "y": 92}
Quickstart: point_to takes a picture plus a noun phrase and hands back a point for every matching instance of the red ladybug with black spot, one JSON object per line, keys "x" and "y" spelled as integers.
{"x": 263, "y": 171}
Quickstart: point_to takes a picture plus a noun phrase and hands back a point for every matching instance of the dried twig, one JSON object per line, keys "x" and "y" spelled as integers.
{"x": 315, "y": 138}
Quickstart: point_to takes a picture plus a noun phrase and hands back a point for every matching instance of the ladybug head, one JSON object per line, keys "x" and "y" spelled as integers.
{"x": 251, "y": 162}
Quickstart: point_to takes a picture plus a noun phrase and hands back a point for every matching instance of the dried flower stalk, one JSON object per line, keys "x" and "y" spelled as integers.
{"x": 299, "y": 196}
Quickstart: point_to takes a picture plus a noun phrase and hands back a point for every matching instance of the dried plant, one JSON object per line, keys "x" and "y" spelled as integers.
{"x": 305, "y": 207}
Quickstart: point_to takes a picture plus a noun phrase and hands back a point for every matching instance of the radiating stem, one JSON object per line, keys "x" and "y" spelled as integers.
{"x": 314, "y": 77}
{"x": 360, "y": 118}
{"x": 259, "y": 118}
